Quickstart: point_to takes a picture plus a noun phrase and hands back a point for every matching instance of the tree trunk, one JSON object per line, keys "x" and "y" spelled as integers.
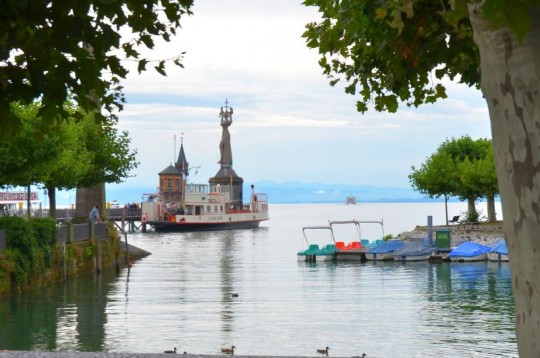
{"x": 472, "y": 215}
{"x": 492, "y": 215}
{"x": 511, "y": 85}
{"x": 446, "y": 208}
{"x": 52, "y": 202}
{"x": 28, "y": 202}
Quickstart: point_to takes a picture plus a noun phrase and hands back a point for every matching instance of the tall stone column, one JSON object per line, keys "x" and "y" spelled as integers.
{"x": 87, "y": 198}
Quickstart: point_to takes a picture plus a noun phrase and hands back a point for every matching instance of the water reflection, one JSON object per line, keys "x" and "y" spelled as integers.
{"x": 66, "y": 316}
{"x": 472, "y": 304}
{"x": 226, "y": 260}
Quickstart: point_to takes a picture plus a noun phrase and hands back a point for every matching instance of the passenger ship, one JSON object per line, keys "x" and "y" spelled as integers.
{"x": 218, "y": 205}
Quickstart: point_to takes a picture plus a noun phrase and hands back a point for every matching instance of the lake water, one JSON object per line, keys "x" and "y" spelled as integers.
{"x": 182, "y": 296}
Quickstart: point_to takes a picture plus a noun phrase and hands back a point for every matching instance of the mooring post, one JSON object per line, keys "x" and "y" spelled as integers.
{"x": 430, "y": 230}
{"x": 97, "y": 250}
{"x": 65, "y": 265}
{"x": 124, "y": 220}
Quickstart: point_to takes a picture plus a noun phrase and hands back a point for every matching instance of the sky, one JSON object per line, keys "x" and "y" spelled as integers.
{"x": 289, "y": 124}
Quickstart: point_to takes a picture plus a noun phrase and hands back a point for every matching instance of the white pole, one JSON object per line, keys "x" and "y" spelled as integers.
{"x": 174, "y": 153}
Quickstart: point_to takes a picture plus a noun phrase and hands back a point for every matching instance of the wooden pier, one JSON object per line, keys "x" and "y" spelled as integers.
{"x": 130, "y": 217}
{"x": 124, "y": 218}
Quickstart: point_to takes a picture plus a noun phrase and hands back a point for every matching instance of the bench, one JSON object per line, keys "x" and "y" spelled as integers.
{"x": 455, "y": 220}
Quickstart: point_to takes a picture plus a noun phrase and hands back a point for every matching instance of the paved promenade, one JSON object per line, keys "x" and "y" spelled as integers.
{"x": 43, "y": 354}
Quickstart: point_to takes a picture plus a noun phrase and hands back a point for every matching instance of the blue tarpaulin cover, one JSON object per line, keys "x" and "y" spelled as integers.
{"x": 387, "y": 247}
{"x": 469, "y": 249}
{"x": 500, "y": 248}
{"x": 415, "y": 248}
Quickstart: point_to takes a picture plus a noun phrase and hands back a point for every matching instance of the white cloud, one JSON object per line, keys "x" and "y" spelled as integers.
{"x": 288, "y": 121}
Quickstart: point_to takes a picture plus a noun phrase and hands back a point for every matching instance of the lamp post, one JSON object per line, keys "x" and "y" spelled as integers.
{"x": 45, "y": 193}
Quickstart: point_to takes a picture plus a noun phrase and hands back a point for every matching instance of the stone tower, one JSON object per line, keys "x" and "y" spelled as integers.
{"x": 226, "y": 174}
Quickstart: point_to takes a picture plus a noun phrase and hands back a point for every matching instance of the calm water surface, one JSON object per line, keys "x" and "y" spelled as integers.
{"x": 182, "y": 296}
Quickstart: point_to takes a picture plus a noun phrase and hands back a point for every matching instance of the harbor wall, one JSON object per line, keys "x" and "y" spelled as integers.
{"x": 69, "y": 259}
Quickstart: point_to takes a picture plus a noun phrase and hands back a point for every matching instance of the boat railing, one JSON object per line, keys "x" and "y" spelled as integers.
{"x": 358, "y": 223}
{"x": 243, "y": 210}
{"x": 307, "y": 228}
{"x": 259, "y": 197}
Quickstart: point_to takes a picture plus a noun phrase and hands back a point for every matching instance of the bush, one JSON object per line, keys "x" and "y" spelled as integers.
{"x": 45, "y": 234}
{"x": 45, "y": 231}
{"x": 29, "y": 245}
{"x": 18, "y": 233}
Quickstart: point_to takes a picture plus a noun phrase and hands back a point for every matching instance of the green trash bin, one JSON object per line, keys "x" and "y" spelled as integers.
{"x": 443, "y": 238}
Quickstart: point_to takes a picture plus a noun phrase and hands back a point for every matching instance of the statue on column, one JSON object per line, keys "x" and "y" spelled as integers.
{"x": 225, "y": 144}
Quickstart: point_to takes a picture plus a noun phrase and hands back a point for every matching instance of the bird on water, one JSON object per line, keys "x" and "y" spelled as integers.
{"x": 171, "y": 351}
{"x": 228, "y": 350}
{"x": 323, "y": 351}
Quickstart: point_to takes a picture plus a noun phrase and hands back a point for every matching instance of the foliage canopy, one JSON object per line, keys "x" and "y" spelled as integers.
{"x": 50, "y": 50}
{"x": 64, "y": 155}
{"x": 460, "y": 167}
{"x": 389, "y": 52}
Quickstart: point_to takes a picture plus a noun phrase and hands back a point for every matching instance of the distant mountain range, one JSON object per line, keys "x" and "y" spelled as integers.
{"x": 297, "y": 192}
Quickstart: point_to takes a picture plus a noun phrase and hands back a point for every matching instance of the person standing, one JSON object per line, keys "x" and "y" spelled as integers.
{"x": 94, "y": 215}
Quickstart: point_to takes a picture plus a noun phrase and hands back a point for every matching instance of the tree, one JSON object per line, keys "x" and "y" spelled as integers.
{"x": 436, "y": 176}
{"x": 112, "y": 161}
{"x": 392, "y": 51}
{"x": 460, "y": 167}
{"x": 50, "y": 50}
{"x": 464, "y": 152}
{"x": 479, "y": 177}
{"x": 64, "y": 155}
{"x": 30, "y": 155}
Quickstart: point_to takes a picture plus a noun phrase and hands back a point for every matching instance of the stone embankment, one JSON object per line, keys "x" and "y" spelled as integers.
{"x": 482, "y": 233}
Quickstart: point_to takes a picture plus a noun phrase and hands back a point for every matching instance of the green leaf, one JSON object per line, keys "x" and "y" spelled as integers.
{"x": 361, "y": 107}
{"x": 161, "y": 68}
{"x": 142, "y": 65}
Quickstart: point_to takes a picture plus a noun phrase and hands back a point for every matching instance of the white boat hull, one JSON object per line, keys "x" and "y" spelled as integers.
{"x": 210, "y": 222}
{"x": 351, "y": 255}
{"x": 495, "y": 256}
{"x": 481, "y": 257}
{"x": 370, "y": 256}
{"x": 411, "y": 257}
{"x": 315, "y": 258}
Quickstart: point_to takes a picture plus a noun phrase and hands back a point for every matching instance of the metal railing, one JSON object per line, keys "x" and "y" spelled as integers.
{"x": 68, "y": 214}
{"x": 70, "y": 233}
